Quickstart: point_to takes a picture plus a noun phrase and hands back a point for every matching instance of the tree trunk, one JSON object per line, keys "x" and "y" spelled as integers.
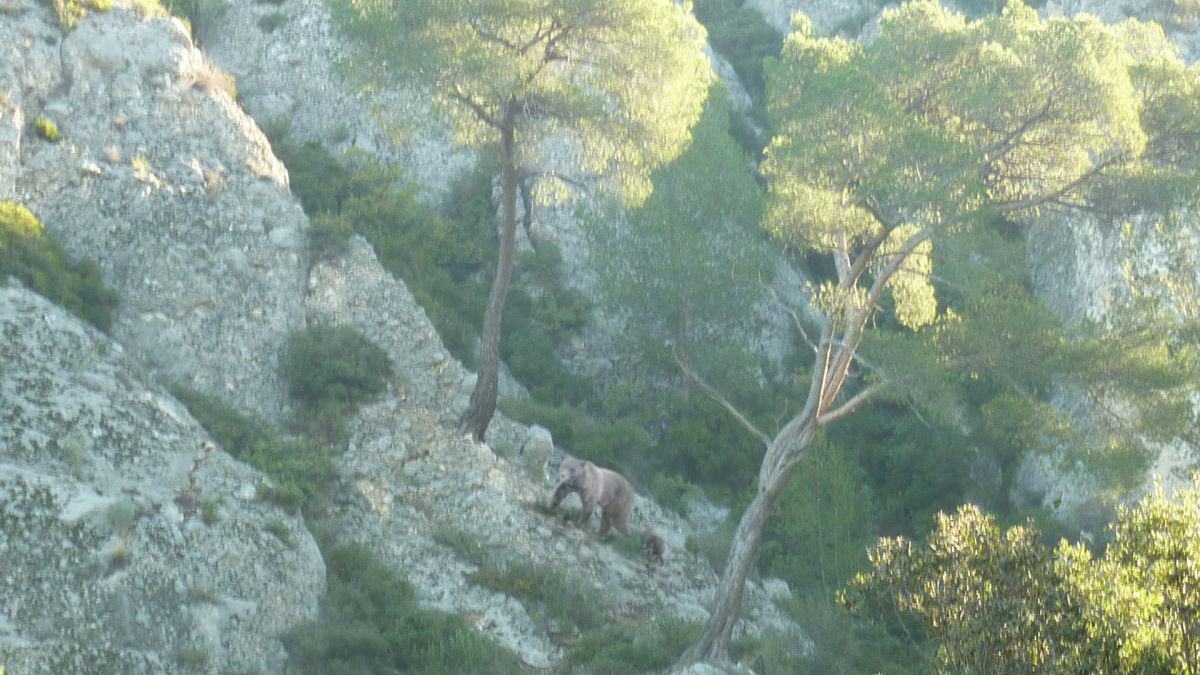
{"x": 478, "y": 415}
{"x": 788, "y": 447}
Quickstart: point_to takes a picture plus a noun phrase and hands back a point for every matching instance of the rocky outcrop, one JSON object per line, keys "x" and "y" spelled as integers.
{"x": 131, "y": 543}
{"x": 288, "y": 76}
{"x": 160, "y": 178}
{"x": 408, "y": 477}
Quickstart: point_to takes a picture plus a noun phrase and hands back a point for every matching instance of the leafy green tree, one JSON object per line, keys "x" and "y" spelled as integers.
{"x": 625, "y": 79}
{"x": 1002, "y": 602}
{"x": 690, "y": 259}
{"x": 928, "y": 134}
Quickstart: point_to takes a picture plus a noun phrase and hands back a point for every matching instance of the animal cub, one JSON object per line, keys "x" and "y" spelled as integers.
{"x": 596, "y": 487}
{"x": 654, "y": 545}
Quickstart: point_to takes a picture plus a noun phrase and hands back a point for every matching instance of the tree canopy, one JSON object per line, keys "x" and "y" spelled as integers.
{"x": 626, "y": 79}
{"x": 1001, "y": 601}
{"x": 887, "y": 153}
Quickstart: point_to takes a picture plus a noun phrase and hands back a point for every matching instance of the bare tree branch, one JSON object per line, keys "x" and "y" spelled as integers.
{"x": 853, "y": 403}
{"x": 1034, "y": 202}
{"x": 681, "y": 360}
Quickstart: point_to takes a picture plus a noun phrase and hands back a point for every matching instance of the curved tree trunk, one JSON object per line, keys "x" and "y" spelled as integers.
{"x": 785, "y": 451}
{"x": 478, "y": 415}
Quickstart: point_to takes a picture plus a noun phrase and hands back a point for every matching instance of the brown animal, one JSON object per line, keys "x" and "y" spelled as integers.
{"x": 596, "y": 487}
{"x": 654, "y": 545}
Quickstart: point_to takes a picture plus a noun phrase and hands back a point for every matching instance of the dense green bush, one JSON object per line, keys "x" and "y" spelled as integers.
{"x": 370, "y": 622}
{"x": 329, "y": 371}
{"x": 39, "y": 262}
{"x": 301, "y": 470}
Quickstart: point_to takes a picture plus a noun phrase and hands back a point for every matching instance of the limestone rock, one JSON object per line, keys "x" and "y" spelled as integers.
{"x": 162, "y": 180}
{"x": 109, "y": 565}
{"x": 536, "y": 451}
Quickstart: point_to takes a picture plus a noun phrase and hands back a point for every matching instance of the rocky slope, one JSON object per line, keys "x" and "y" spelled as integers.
{"x": 131, "y": 543}
{"x": 410, "y": 477}
{"x": 105, "y": 480}
{"x": 160, "y": 178}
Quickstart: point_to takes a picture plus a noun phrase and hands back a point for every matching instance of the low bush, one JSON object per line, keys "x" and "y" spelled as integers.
{"x": 46, "y": 128}
{"x": 631, "y": 647}
{"x": 329, "y": 371}
{"x": 268, "y": 23}
{"x": 301, "y": 470}
{"x": 370, "y": 622}
{"x": 41, "y": 264}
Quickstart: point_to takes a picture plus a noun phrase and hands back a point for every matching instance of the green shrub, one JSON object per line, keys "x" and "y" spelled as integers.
{"x": 329, "y": 371}
{"x": 210, "y": 514}
{"x": 192, "y": 658}
{"x": 301, "y": 470}
{"x": 41, "y": 264}
{"x": 268, "y": 23}
{"x": 674, "y": 492}
{"x": 621, "y": 445}
{"x": 713, "y": 546}
{"x": 446, "y": 261}
{"x": 370, "y": 622}
{"x": 631, "y": 647}
{"x": 282, "y": 532}
{"x": 47, "y": 129}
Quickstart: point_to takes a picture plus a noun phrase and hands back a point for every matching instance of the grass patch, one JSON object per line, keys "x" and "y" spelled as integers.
{"x": 370, "y": 622}
{"x": 282, "y": 532}
{"x": 47, "y": 129}
{"x": 203, "y": 595}
{"x": 210, "y": 513}
{"x": 464, "y": 544}
{"x": 552, "y": 598}
{"x": 70, "y": 12}
{"x": 300, "y": 469}
{"x": 192, "y": 658}
{"x": 631, "y": 647}
{"x": 203, "y": 16}
{"x": 34, "y": 257}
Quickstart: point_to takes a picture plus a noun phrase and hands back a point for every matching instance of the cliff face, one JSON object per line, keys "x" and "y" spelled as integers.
{"x": 130, "y": 541}
{"x": 160, "y": 178}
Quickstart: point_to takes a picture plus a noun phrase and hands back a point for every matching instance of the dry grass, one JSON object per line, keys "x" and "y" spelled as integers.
{"x": 210, "y": 78}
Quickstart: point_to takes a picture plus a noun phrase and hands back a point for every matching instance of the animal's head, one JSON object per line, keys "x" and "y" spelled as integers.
{"x": 571, "y": 471}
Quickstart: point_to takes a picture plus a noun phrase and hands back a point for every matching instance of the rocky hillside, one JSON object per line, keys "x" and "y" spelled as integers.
{"x": 410, "y": 479}
{"x": 158, "y": 176}
{"x": 149, "y": 545}
{"x": 132, "y": 543}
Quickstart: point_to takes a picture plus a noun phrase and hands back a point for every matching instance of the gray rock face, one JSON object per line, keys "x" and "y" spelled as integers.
{"x": 162, "y": 180}
{"x": 109, "y": 563}
{"x": 288, "y": 76}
